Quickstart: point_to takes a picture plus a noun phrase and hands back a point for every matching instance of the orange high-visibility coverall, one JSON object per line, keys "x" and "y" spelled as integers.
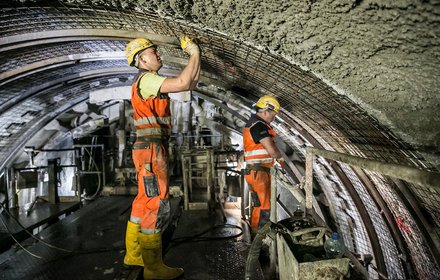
{"x": 152, "y": 121}
{"x": 259, "y": 162}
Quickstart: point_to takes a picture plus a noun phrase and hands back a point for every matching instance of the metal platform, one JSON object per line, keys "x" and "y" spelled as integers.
{"x": 89, "y": 244}
{"x": 34, "y": 220}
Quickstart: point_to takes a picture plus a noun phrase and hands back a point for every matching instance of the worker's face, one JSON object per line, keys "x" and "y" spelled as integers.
{"x": 269, "y": 115}
{"x": 151, "y": 59}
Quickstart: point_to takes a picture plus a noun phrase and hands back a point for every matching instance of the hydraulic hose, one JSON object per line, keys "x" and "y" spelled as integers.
{"x": 254, "y": 252}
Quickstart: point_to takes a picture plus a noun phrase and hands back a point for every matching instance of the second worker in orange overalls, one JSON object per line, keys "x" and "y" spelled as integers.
{"x": 260, "y": 152}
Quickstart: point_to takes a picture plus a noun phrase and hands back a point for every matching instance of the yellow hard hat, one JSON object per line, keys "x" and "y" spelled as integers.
{"x": 268, "y": 102}
{"x": 135, "y": 46}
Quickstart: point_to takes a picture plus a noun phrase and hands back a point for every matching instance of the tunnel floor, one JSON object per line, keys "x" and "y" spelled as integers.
{"x": 89, "y": 244}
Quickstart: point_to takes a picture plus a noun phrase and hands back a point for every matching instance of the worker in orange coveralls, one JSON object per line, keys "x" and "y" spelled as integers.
{"x": 150, "y": 213}
{"x": 260, "y": 153}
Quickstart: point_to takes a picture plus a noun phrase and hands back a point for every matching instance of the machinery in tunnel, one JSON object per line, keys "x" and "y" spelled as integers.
{"x": 66, "y": 132}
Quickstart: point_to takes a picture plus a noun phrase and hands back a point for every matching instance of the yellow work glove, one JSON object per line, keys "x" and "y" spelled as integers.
{"x": 189, "y": 46}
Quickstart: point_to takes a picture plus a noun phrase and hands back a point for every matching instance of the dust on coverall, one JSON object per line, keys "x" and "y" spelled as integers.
{"x": 152, "y": 121}
{"x": 259, "y": 162}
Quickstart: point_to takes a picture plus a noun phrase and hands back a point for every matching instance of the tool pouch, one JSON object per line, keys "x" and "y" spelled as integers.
{"x": 151, "y": 186}
{"x": 255, "y": 200}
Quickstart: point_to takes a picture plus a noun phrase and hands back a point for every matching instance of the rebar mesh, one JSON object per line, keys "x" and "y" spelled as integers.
{"x": 11, "y": 93}
{"x": 11, "y": 60}
{"x": 419, "y": 252}
{"x": 429, "y": 198}
{"x": 389, "y": 249}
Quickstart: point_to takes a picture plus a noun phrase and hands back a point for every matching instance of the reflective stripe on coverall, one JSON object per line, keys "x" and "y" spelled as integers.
{"x": 259, "y": 181}
{"x": 152, "y": 119}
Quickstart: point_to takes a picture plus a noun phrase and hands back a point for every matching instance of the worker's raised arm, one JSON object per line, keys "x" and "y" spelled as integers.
{"x": 189, "y": 76}
{"x": 196, "y": 80}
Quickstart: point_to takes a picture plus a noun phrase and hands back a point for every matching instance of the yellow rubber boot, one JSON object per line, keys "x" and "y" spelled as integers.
{"x": 133, "y": 254}
{"x": 154, "y": 268}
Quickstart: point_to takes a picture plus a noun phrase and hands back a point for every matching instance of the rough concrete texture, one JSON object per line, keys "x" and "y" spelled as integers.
{"x": 385, "y": 55}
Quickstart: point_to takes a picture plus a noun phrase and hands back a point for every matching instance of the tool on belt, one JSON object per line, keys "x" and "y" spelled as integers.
{"x": 247, "y": 171}
{"x": 254, "y": 167}
{"x": 151, "y": 185}
{"x": 144, "y": 143}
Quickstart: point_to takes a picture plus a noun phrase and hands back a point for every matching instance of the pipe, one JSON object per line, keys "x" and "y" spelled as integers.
{"x": 409, "y": 174}
{"x": 186, "y": 113}
{"x": 198, "y": 112}
{"x": 308, "y": 187}
{"x": 254, "y": 252}
{"x": 241, "y": 114}
{"x": 273, "y": 195}
{"x": 121, "y": 133}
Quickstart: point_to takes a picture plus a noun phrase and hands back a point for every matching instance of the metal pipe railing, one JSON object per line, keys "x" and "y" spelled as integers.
{"x": 275, "y": 181}
{"x": 407, "y": 173}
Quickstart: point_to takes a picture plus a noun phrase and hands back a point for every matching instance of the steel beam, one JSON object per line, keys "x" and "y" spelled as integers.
{"x": 68, "y": 35}
{"x": 409, "y": 174}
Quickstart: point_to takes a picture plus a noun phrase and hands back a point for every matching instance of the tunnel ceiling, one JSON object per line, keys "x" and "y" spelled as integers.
{"x": 382, "y": 57}
{"x": 376, "y": 59}
{"x": 358, "y": 77}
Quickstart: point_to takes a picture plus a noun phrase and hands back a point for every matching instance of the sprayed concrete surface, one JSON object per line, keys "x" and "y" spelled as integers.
{"x": 384, "y": 55}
